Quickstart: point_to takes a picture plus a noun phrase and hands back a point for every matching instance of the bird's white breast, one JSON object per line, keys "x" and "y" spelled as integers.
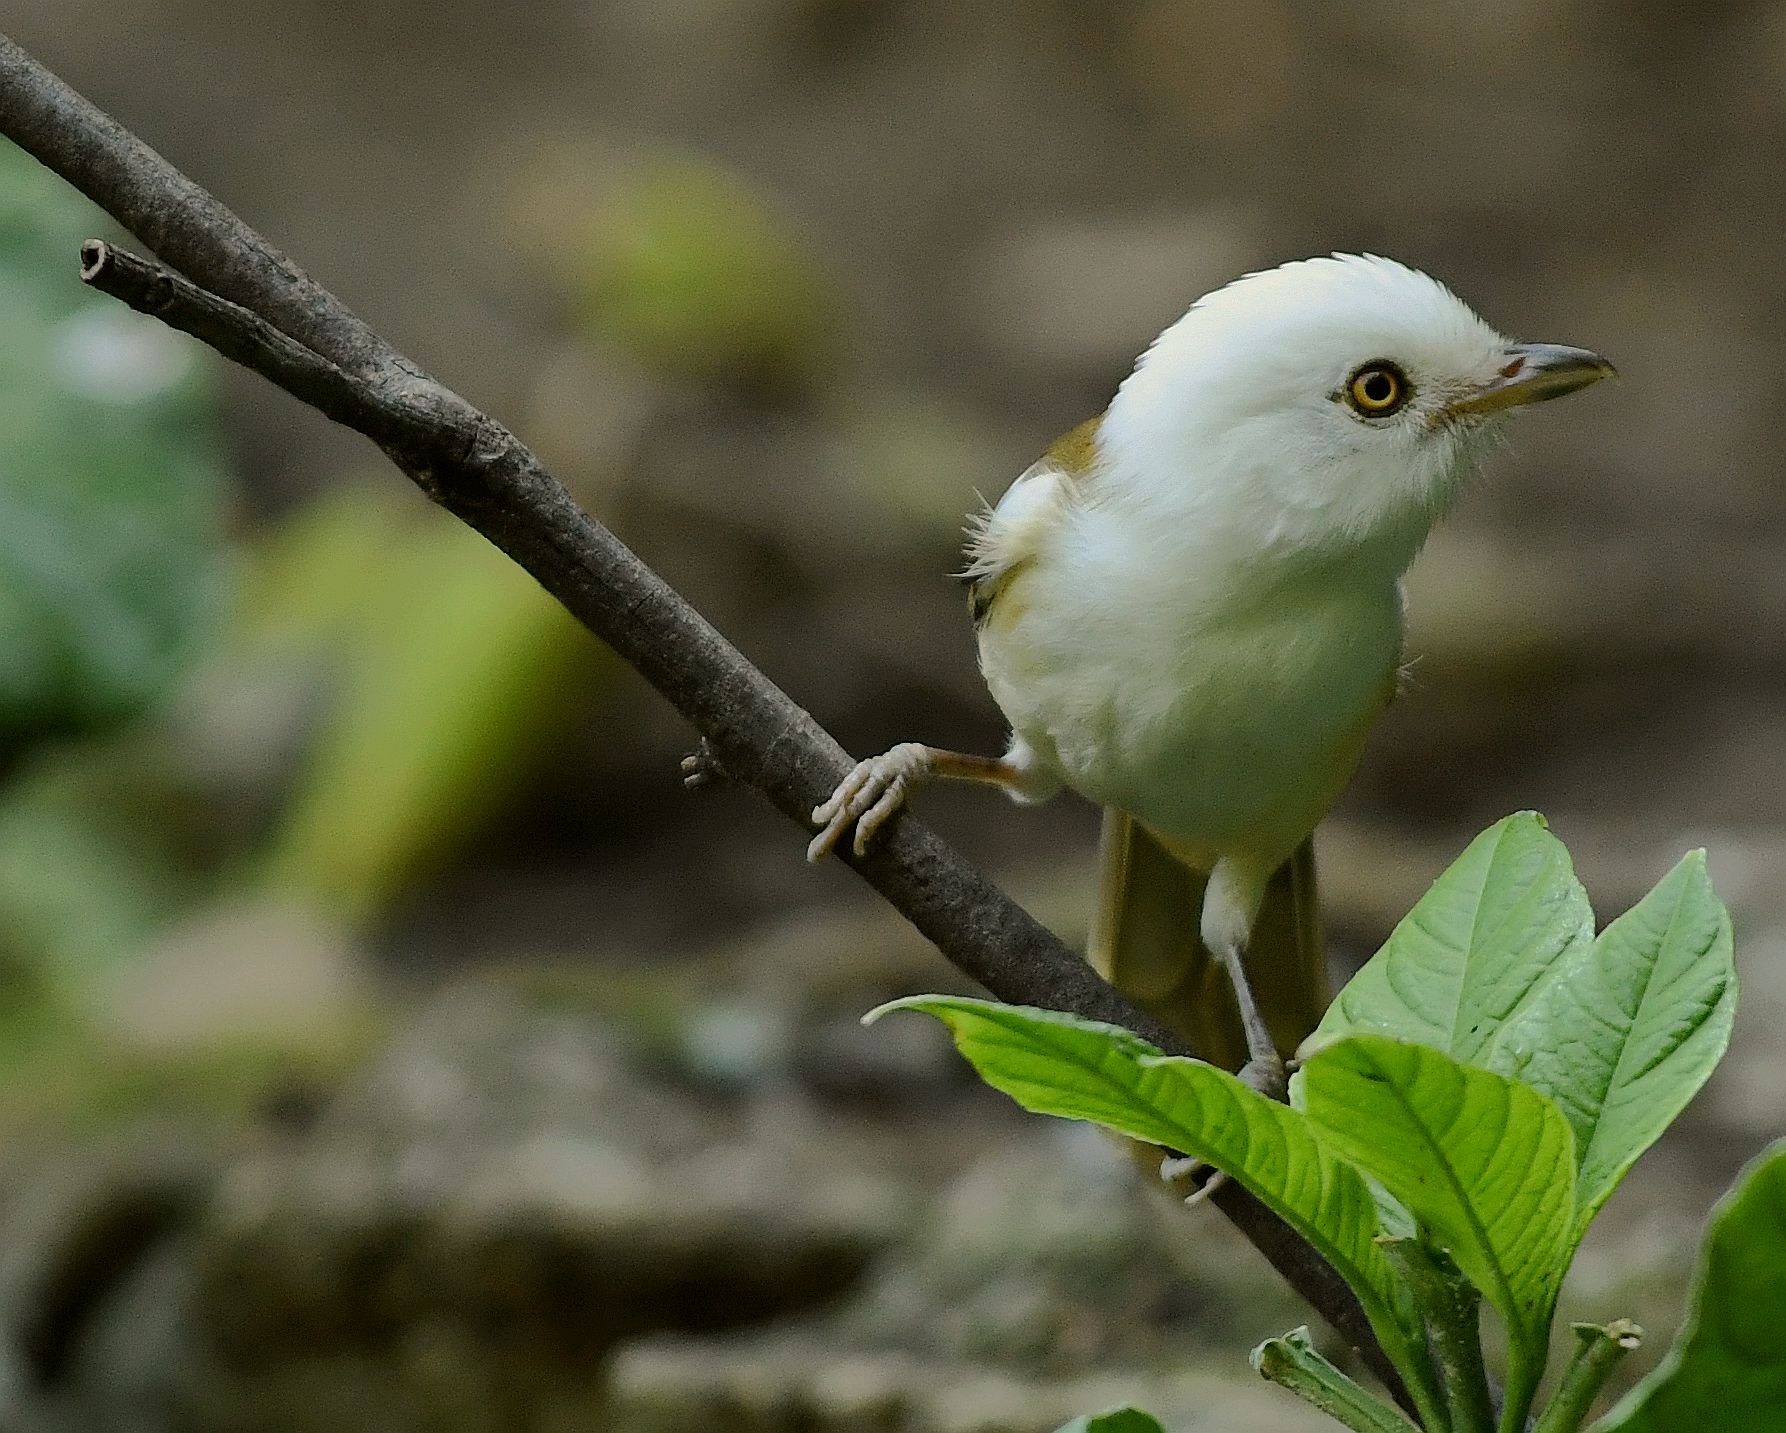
{"x": 1219, "y": 696}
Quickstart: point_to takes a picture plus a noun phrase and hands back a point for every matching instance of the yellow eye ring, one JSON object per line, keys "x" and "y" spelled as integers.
{"x": 1377, "y": 390}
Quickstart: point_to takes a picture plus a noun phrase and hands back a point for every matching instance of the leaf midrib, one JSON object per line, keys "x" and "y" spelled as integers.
{"x": 1534, "y": 891}
{"x": 1510, "y": 1309}
{"x": 1475, "y": 926}
{"x": 1618, "y": 1065}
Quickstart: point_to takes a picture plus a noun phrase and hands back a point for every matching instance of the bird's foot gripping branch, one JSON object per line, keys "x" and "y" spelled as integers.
{"x": 1471, "y": 1100}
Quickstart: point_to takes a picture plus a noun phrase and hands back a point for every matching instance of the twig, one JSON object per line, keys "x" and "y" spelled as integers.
{"x": 254, "y": 343}
{"x": 240, "y": 295}
{"x": 1597, "y": 1348}
{"x": 1293, "y": 1362}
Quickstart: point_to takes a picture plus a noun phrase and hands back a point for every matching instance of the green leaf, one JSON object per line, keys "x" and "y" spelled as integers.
{"x": 1118, "y": 1420}
{"x": 1628, "y": 1030}
{"x": 1484, "y": 1162}
{"x": 1472, "y": 951}
{"x": 1728, "y": 1368}
{"x": 1497, "y": 966}
{"x": 1078, "y": 1069}
{"x": 110, "y": 482}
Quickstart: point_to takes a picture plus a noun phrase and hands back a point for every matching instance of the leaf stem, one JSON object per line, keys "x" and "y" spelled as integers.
{"x": 1450, "y": 1303}
{"x": 1293, "y": 1361}
{"x": 1525, "y": 1371}
{"x": 1598, "y": 1347}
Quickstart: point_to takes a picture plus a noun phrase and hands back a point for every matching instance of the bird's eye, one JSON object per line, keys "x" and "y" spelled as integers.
{"x": 1377, "y": 390}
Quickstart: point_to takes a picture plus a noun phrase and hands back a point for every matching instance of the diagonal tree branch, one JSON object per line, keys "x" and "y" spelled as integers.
{"x": 181, "y": 221}
{"x": 232, "y": 290}
{"x": 367, "y": 407}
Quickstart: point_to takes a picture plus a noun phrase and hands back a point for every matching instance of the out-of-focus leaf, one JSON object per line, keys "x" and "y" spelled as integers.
{"x": 691, "y": 269}
{"x": 1119, "y": 1420}
{"x": 310, "y": 579}
{"x": 110, "y": 487}
{"x": 1728, "y": 1368}
{"x": 459, "y": 672}
{"x": 81, "y": 884}
{"x": 91, "y": 865}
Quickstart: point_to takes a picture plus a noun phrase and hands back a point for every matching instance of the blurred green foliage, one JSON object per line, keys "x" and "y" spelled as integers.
{"x": 397, "y": 680}
{"x": 1120, "y": 1420}
{"x": 454, "y": 673}
{"x": 110, "y": 484}
{"x": 377, "y": 686}
{"x": 113, "y": 571}
{"x": 89, "y": 863}
{"x": 690, "y": 269}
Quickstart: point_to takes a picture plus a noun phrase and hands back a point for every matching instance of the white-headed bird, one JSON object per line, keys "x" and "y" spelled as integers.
{"x": 1190, "y": 611}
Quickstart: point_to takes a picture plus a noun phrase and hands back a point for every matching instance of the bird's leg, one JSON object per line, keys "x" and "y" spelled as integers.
{"x": 879, "y": 786}
{"x": 1264, "y": 1069}
{"x": 1230, "y": 906}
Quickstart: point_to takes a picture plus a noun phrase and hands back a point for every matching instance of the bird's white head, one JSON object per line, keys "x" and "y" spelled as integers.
{"x": 1325, "y": 406}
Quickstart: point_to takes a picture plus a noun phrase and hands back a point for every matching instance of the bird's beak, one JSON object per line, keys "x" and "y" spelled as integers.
{"x": 1534, "y": 372}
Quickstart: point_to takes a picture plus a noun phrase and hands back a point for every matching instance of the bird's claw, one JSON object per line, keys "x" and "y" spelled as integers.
{"x": 701, "y": 768}
{"x": 1265, "y": 1075}
{"x": 1176, "y": 1169}
{"x": 866, "y": 798}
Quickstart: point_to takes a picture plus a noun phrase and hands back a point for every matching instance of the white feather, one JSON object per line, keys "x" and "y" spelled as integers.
{"x": 1002, "y": 535}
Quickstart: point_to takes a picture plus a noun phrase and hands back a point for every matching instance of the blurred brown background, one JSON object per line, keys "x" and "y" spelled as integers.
{"x": 394, "y": 1044}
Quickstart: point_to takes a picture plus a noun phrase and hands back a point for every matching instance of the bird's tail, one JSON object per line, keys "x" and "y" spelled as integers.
{"x": 1145, "y": 941}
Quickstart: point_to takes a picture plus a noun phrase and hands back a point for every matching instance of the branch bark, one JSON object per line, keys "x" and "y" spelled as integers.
{"x": 227, "y": 286}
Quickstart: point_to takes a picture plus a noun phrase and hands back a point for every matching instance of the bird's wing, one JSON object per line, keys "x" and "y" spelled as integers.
{"x": 1006, "y": 536}
{"x": 1145, "y": 941}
